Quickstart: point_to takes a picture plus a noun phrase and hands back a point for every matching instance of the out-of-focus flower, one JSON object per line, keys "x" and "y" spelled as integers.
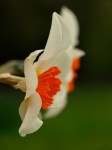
{"x": 74, "y": 55}
{"x": 41, "y": 85}
{"x": 14, "y": 67}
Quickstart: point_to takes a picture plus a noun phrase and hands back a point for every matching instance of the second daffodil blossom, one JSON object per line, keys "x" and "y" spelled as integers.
{"x": 44, "y": 80}
{"x": 74, "y": 55}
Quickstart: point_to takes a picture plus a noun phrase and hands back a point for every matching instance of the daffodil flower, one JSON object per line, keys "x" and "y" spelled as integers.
{"x": 74, "y": 54}
{"x": 44, "y": 79}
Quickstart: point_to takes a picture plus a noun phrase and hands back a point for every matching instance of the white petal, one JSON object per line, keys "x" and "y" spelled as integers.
{"x": 59, "y": 38}
{"x": 72, "y": 23}
{"x": 62, "y": 61}
{"x": 30, "y": 73}
{"x": 60, "y": 101}
{"x": 69, "y": 76}
{"x": 75, "y": 53}
{"x": 29, "y": 111}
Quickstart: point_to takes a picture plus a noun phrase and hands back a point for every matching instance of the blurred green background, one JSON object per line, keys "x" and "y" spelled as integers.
{"x": 86, "y": 123}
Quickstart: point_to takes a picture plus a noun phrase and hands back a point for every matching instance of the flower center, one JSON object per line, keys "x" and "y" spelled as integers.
{"x": 48, "y": 86}
{"x": 75, "y": 66}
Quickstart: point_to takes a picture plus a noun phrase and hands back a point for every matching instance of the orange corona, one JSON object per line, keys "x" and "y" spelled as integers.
{"x": 48, "y": 86}
{"x": 75, "y": 67}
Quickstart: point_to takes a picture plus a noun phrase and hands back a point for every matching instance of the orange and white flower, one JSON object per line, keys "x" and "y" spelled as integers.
{"x": 74, "y": 54}
{"x": 48, "y": 80}
{"x": 44, "y": 80}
